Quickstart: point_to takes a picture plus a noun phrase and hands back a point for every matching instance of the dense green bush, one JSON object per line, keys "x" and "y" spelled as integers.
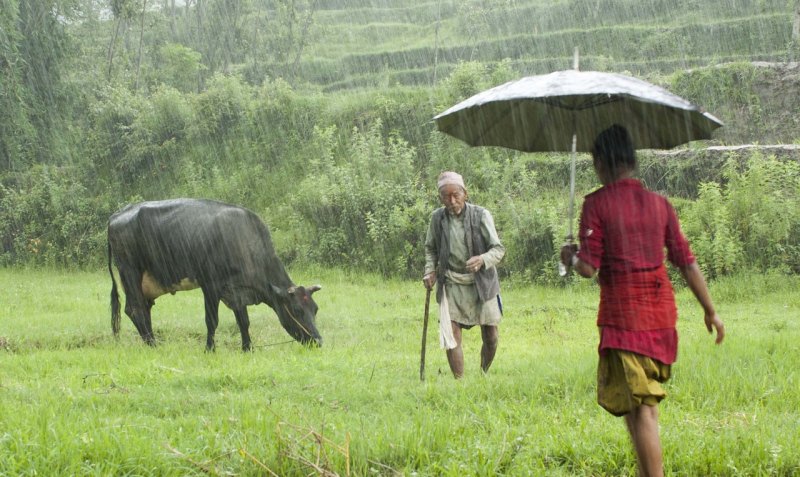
{"x": 281, "y": 120}
{"x": 222, "y": 108}
{"x": 764, "y": 200}
{"x": 111, "y": 118}
{"x": 178, "y": 66}
{"x": 749, "y": 222}
{"x": 17, "y": 132}
{"x": 50, "y": 220}
{"x": 365, "y": 209}
{"x": 707, "y": 86}
{"x": 340, "y": 183}
{"x": 711, "y": 232}
{"x": 159, "y": 125}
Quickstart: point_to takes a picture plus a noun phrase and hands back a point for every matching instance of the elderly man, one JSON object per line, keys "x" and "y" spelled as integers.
{"x": 461, "y": 251}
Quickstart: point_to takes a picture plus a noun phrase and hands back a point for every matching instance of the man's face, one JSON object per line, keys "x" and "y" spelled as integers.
{"x": 453, "y": 198}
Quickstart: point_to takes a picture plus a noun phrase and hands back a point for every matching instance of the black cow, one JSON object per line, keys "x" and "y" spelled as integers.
{"x": 166, "y": 246}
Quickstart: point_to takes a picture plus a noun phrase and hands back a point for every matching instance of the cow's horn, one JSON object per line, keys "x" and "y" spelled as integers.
{"x": 314, "y": 288}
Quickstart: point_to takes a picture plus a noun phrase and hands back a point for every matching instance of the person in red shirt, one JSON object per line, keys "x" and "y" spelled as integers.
{"x": 624, "y": 231}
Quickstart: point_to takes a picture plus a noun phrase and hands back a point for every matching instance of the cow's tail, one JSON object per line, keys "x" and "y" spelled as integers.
{"x": 115, "y": 317}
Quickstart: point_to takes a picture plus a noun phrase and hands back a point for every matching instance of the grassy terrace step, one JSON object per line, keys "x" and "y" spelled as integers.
{"x": 524, "y": 16}
{"x": 336, "y": 75}
{"x": 642, "y": 68}
{"x": 380, "y": 43}
{"x": 745, "y": 35}
{"x": 639, "y": 48}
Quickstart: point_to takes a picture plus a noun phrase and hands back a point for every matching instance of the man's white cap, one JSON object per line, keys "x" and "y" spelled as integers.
{"x": 450, "y": 178}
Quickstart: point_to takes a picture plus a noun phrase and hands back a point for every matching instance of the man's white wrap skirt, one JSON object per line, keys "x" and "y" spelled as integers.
{"x": 463, "y": 306}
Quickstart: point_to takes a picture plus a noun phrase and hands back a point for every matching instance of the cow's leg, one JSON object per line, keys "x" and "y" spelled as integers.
{"x": 243, "y": 320}
{"x": 141, "y": 310}
{"x": 148, "y": 325}
{"x": 136, "y": 305}
{"x": 212, "y": 318}
{"x": 140, "y": 316}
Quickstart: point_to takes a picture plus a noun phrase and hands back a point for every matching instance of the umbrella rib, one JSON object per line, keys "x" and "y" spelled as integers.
{"x": 592, "y": 102}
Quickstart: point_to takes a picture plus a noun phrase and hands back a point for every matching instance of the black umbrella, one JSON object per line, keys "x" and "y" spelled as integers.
{"x": 566, "y": 110}
{"x": 543, "y": 113}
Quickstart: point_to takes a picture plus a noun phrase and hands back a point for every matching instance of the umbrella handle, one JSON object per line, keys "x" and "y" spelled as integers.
{"x": 572, "y": 186}
{"x": 564, "y": 269}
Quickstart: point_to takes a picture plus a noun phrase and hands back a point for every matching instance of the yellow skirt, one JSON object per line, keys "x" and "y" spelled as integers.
{"x": 626, "y": 380}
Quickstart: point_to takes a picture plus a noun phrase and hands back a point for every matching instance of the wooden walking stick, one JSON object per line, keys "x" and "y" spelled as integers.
{"x": 424, "y": 336}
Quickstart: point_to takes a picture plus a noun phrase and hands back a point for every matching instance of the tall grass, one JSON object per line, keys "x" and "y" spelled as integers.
{"x": 77, "y": 402}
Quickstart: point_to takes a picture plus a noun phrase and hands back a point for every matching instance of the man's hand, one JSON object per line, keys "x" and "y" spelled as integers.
{"x": 714, "y": 323}
{"x": 697, "y": 283}
{"x": 567, "y": 252}
{"x": 429, "y": 279}
{"x": 474, "y": 264}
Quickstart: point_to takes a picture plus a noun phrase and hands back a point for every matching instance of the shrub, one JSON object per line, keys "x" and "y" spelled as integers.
{"x": 709, "y": 228}
{"x": 751, "y": 221}
{"x": 112, "y": 116}
{"x": 221, "y": 109}
{"x": 179, "y": 67}
{"x": 282, "y": 120}
{"x": 50, "y": 220}
{"x": 764, "y": 202}
{"x": 529, "y": 220}
{"x": 155, "y": 135}
{"x": 368, "y": 211}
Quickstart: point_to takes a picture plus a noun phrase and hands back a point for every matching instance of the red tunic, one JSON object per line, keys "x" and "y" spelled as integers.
{"x": 624, "y": 231}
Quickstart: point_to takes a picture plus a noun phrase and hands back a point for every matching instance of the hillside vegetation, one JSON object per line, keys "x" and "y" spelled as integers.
{"x": 372, "y": 45}
{"x": 317, "y": 115}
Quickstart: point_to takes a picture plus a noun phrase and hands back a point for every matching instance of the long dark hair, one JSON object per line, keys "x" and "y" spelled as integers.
{"x": 614, "y": 149}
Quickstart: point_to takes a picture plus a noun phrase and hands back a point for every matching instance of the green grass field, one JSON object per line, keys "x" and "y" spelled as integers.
{"x": 73, "y": 401}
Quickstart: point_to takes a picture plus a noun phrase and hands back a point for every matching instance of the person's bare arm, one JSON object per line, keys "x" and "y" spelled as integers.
{"x": 584, "y": 269}
{"x": 697, "y": 283}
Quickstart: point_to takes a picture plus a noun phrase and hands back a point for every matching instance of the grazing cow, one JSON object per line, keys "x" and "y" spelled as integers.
{"x": 172, "y": 245}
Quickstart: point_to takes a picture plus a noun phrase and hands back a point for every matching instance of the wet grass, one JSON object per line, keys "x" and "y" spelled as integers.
{"x": 77, "y": 402}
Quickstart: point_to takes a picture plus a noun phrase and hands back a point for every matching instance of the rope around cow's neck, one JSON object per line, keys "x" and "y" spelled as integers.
{"x": 276, "y": 344}
{"x": 286, "y": 308}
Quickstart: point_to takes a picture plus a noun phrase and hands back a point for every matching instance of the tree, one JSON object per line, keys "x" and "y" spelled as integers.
{"x": 227, "y": 25}
{"x": 796, "y": 30}
{"x": 179, "y": 67}
{"x": 42, "y": 47}
{"x": 796, "y": 27}
{"x": 169, "y": 8}
{"x": 123, "y": 11}
{"x": 16, "y": 131}
{"x": 291, "y": 30}
{"x": 141, "y": 42}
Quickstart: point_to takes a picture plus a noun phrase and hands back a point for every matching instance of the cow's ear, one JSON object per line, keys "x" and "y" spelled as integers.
{"x": 314, "y": 288}
{"x": 281, "y": 292}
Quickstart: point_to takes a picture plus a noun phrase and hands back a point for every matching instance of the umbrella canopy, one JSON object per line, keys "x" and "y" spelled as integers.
{"x": 543, "y": 113}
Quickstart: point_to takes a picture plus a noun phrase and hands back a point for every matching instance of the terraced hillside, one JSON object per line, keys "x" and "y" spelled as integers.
{"x": 376, "y": 43}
